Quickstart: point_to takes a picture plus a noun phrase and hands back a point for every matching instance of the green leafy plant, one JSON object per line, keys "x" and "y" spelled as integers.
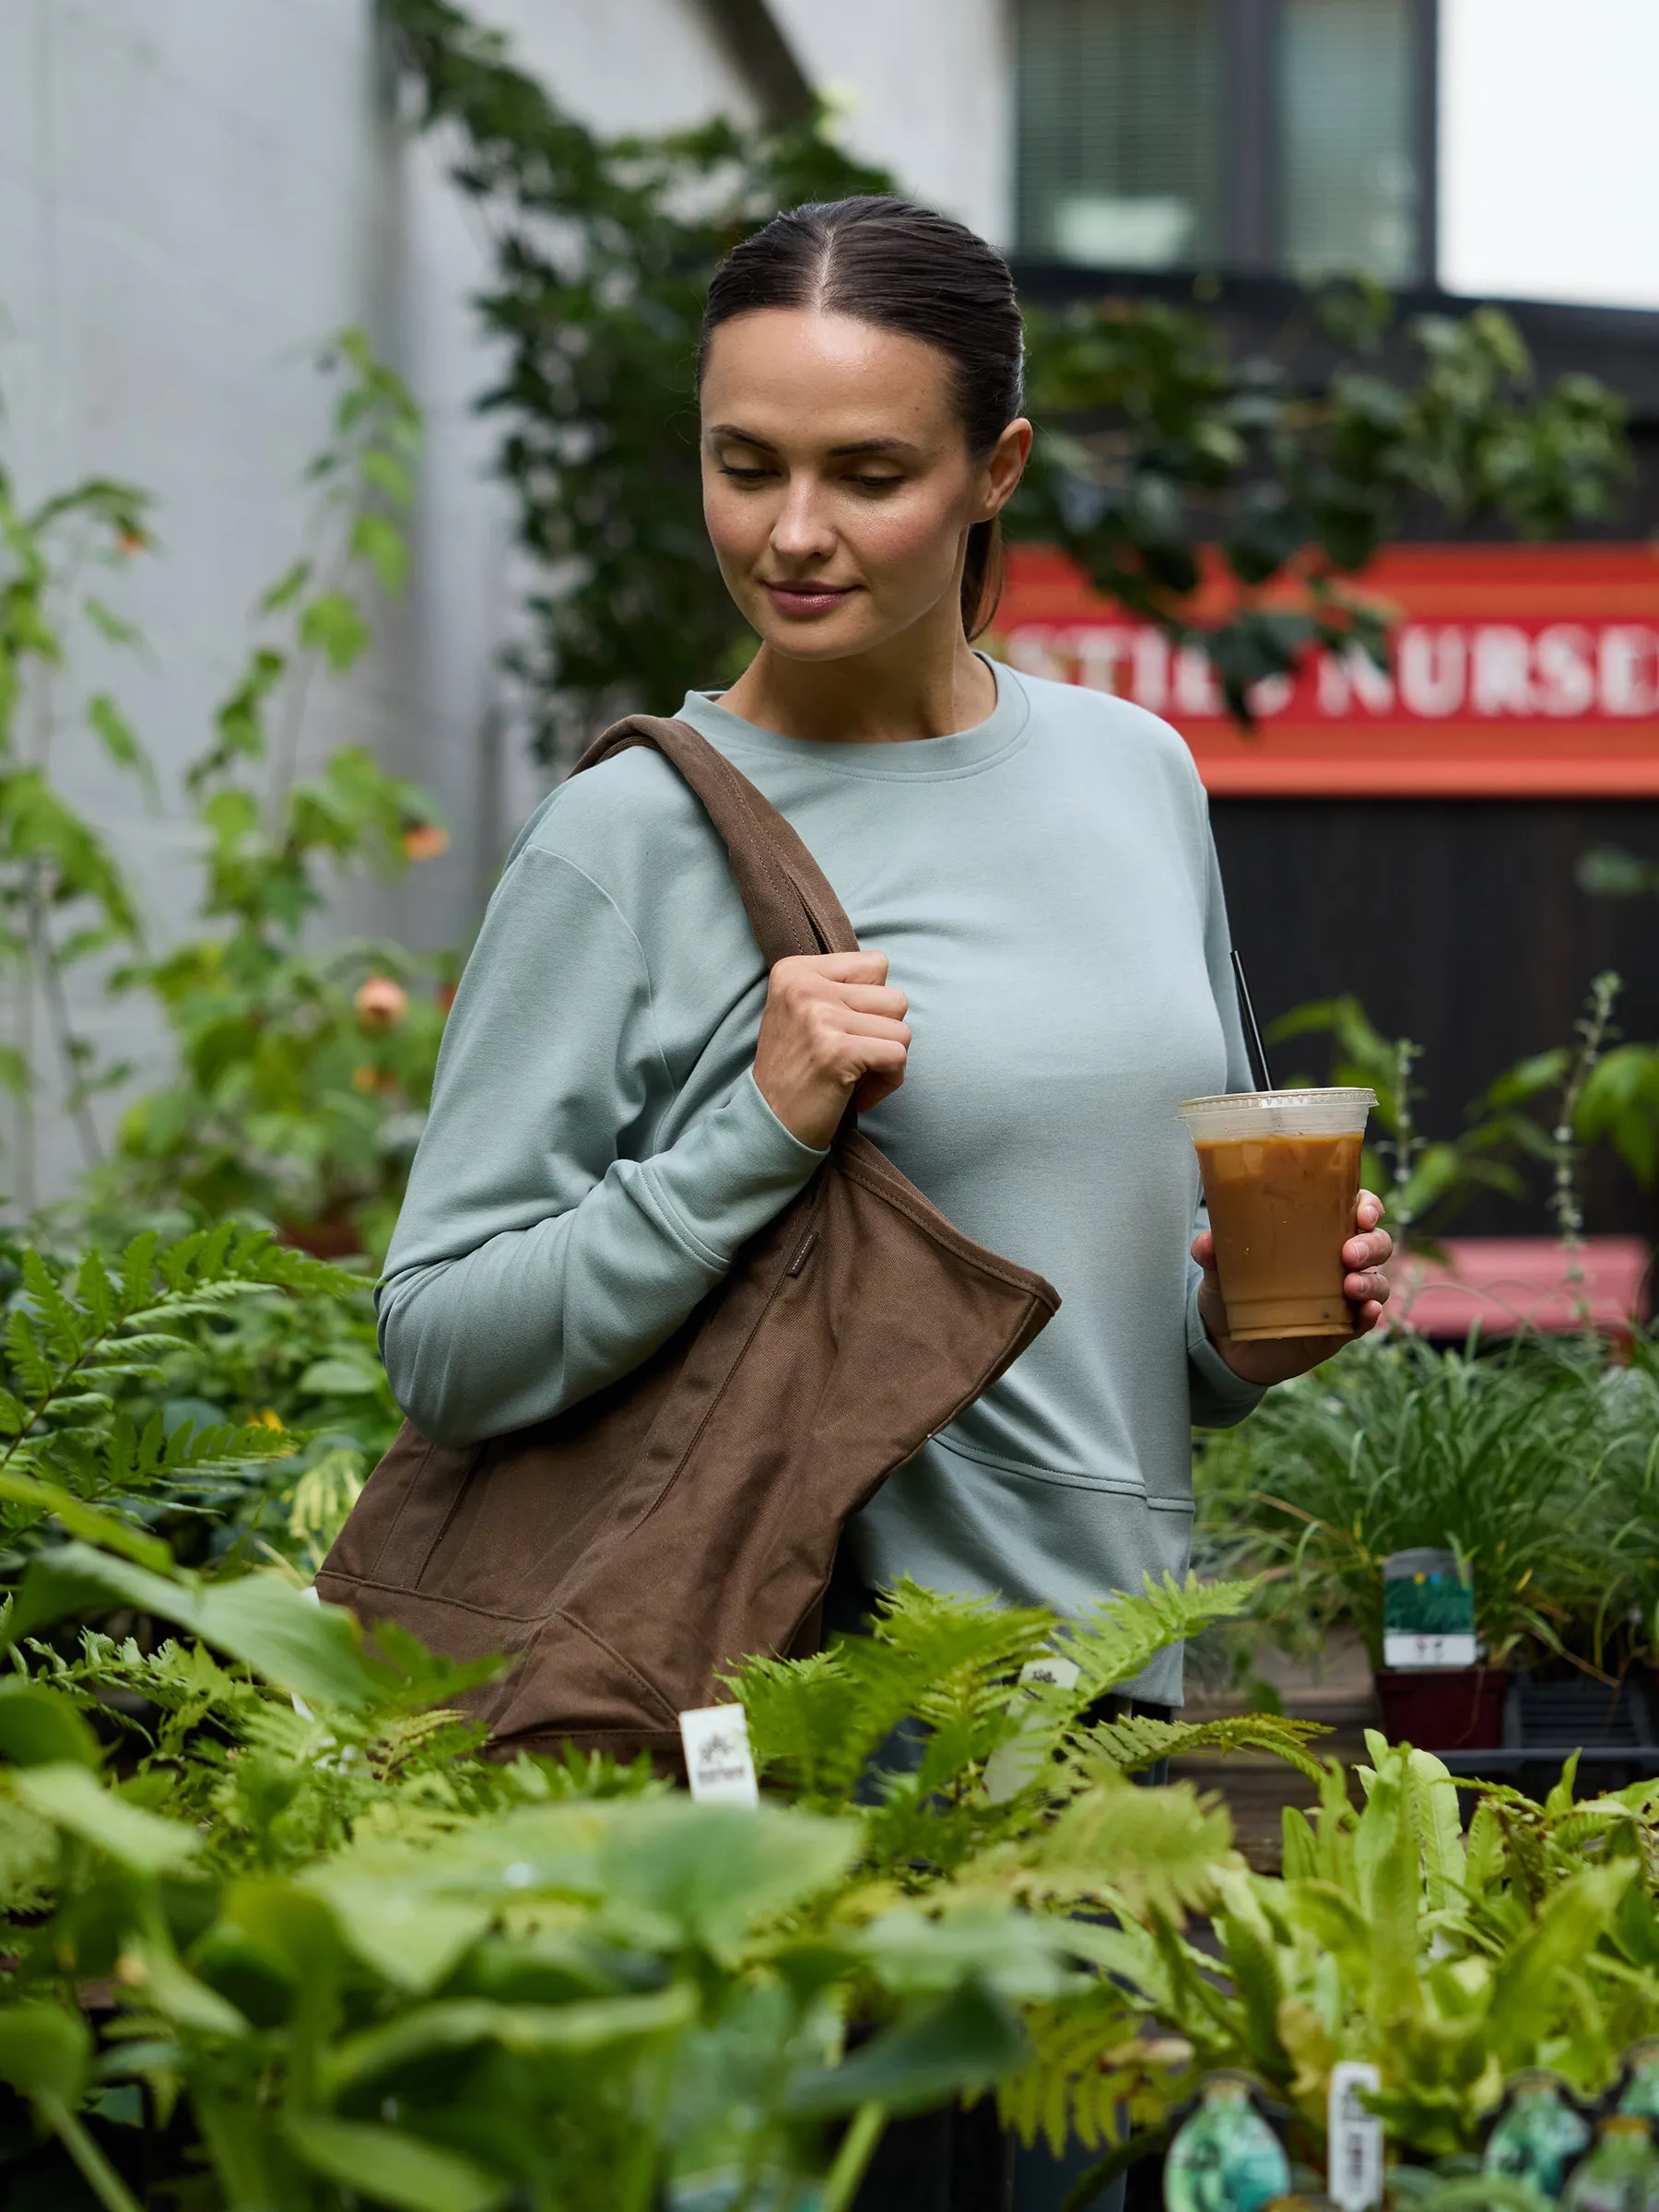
{"x": 1426, "y": 1182}
{"x": 304, "y": 1075}
{"x": 78, "y": 1345}
{"x": 64, "y": 898}
{"x": 361, "y": 1957}
{"x": 1397, "y": 1445}
{"x": 1449, "y": 1962}
{"x": 1157, "y": 443}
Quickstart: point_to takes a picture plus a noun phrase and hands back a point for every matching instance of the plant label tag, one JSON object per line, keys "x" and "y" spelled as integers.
{"x": 1401, "y": 1650}
{"x": 1427, "y": 1609}
{"x": 1021, "y": 1758}
{"x": 1354, "y": 2179}
{"x": 719, "y": 1764}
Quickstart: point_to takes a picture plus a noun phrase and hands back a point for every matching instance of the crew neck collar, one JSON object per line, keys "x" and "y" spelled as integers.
{"x": 959, "y": 753}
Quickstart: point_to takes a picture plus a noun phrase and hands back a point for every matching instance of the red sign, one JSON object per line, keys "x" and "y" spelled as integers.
{"x": 1518, "y": 671}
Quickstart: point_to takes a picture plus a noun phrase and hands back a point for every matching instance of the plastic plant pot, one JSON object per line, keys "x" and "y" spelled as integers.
{"x": 1444, "y": 1708}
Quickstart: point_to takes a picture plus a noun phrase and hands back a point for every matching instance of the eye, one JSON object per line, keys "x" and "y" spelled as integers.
{"x": 875, "y": 483}
{"x": 744, "y": 475}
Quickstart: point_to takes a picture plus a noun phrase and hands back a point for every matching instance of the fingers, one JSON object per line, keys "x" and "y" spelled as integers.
{"x": 860, "y": 967}
{"x": 1369, "y": 1210}
{"x": 1365, "y": 1289}
{"x": 1204, "y": 1249}
{"x": 866, "y": 998}
{"x": 1372, "y": 1250}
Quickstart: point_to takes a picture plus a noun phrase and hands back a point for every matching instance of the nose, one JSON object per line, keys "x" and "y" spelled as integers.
{"x": 802, "y": 530}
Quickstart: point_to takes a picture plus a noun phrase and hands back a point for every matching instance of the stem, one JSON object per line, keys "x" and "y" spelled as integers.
{"x": 1564, "y": 1203}
{"x": 63, "y": 1031}
{"x": 1407, "y": 1142}
{"x": 98, "y": 2173}
{"x": 857, "y": 2149}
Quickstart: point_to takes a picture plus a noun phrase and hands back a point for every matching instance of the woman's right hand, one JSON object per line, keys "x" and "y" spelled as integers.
{"x": 832, "y": 1030}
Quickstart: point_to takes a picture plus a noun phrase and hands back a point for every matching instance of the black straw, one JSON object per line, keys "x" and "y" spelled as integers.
{"x": 1253, "y": 1035}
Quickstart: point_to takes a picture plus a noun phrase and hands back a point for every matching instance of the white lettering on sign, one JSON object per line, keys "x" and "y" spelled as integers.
{"x": 1565, "y": 659}
{"x": 1431, "y": 664}
{"x": 1498, "y": 672}
{"x": 1629, "y": 650}
{"x": 720, "y": 1766}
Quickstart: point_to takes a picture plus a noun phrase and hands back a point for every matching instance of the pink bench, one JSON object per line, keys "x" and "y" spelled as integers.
{"x": 1505, "y": 1283}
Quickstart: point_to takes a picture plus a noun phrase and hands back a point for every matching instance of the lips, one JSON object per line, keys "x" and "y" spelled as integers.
{"x": 806, "y": 600}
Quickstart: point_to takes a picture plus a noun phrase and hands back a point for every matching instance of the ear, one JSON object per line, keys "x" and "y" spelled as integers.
{"x": 1003, "y": 467}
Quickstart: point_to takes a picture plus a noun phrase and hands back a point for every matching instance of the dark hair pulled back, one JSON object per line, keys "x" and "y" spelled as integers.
{"x": 903, "y": 268}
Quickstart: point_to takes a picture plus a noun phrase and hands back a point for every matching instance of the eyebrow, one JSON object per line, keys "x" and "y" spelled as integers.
{"x": 837, "y": 452}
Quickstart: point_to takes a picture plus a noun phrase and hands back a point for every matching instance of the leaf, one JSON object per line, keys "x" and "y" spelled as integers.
{"x": 287, "y": 588}
{"x": 184, "y": 1997}
{"x": 86, "y": 1521}
{"x": 1138, "y": 1740}
{"x": 409, "y": 1937}
{"x": 591, "y": 2024}
{"x": 111, "y": 625}
{"x": 71, "y": 1798}
{"x": 281, "y": 1632}
{"x": 338, "y": 1378}
{"x": 710, "y": 1871}
{"x": 44, "y": 2053}
{"x": 380, "y": 542}
{"x": 40, "y": 1727}
{"x": 119, "y": 739}
{"x": 1527, "y": 1993}
{"x": 961, "y": 2043}
{"x": 333, "y": 626}
{"x": 392, "y": 2168}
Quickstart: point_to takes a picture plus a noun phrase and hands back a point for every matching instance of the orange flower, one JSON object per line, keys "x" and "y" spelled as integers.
{"x": 424, "y": 840}
{"x": 131, "y": 541}
{"x": 381, "y": 1003}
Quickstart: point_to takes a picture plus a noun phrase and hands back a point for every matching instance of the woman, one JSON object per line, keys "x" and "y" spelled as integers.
{"x": 625, "y": 1095}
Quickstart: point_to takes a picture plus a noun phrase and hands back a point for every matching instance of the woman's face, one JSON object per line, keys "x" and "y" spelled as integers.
{"x": 837, "y": 482}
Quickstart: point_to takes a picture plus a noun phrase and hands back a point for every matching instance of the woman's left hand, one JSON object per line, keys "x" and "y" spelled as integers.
{"x": 1275, "y": 1360}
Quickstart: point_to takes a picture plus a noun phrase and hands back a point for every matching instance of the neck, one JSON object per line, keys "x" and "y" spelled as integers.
{"x": 913, "y": 686}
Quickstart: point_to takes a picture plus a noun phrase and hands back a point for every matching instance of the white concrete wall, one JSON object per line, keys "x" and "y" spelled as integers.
{"x": 1549, "y": 150}
{"x": 193, "y": 197}
{"x": 925, "y": 87}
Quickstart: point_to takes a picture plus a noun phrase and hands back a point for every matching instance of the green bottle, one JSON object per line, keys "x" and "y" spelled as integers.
{"x": 1621, "y": 2174}
{"x": 1639, "y": 2093}
{"x": 1538, "y": 2134}
{"x": 1225, "y": 2157}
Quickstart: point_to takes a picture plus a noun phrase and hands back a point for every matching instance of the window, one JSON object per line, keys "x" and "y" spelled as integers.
{"x": 1293, "y": 136}
{"x": 1120, "y": 130}
{"x": 1349, "y": 186}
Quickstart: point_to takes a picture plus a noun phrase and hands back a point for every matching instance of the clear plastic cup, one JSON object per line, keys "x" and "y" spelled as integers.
{"x": 1282, "y": 1176}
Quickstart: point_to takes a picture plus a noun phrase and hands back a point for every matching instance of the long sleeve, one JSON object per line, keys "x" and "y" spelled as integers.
{"x": 1220, "y": 1398}
{"x": 545, "y": 1246}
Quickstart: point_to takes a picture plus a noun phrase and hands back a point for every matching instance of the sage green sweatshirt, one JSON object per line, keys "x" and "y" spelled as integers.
{"x": 1046, "y": 888}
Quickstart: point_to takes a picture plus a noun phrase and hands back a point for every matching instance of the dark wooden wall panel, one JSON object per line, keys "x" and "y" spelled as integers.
{"x": 1461, "y": 925}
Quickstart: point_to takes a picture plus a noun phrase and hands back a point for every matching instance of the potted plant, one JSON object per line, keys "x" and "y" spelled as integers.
{"x": 1494, "y": 1457}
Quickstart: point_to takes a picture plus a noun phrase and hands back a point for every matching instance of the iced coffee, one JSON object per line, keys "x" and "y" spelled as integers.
{"x": 1281, "y": 1177}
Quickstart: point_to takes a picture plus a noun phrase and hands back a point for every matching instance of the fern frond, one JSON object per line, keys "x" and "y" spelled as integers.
{"x": 1119, "y": 1847}
{"x": 1115, "y": 1640}
{"x": 1091, "y": 2075}
{"x": 1137, "y": 1740}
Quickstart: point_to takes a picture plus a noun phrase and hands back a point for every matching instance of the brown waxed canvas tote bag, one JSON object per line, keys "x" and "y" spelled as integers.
{"x": 629, "y": 1548}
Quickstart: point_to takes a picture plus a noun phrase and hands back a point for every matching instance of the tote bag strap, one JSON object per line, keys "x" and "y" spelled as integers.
{"x": 790, "y": 904}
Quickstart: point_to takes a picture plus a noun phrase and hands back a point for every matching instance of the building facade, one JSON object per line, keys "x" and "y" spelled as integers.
{"x": 193, "y": 197}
